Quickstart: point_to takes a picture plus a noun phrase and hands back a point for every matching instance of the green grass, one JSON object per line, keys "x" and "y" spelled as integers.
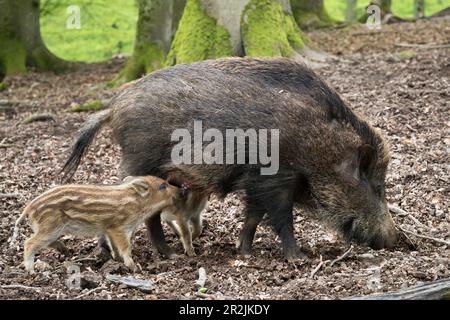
{"x": 401, "y": 8}
{"x": 107, "y": 28}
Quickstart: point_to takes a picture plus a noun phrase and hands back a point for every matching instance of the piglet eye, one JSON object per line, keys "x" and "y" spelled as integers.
{"x": 163, "y": 186}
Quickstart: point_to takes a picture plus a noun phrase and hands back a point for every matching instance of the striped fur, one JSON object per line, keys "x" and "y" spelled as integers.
{"x": 86, "y": 210}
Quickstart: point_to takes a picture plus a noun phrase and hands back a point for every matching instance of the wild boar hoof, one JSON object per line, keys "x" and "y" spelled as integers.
{"x": 296, "y": 256}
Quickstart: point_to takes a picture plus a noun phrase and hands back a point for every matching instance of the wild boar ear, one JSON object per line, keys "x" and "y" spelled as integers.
{"x": 141, "y": 187}
{"x": 349, "y": 168}
{"x": 366, "y": 155}
{"x": 356, "y": 162}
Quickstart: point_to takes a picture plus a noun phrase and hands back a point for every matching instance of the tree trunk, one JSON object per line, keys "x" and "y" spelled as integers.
{"x": 419, "y": 9}
{"x": 310, "y": 14}
{"x": 350, "y": 11}
{"x": 157, "y": 22}
{"x": 21, "y": 41}
{"x": 216, "y": 28}
{"x": 385, "y": 6}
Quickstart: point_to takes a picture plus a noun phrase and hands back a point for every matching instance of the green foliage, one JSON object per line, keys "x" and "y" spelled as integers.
{"x": 202, "y": 290}
{"x": 92, "y": 105}
{"x": 107, "y": 28}
{"x": 267, "y": 31}
{"x": 3, "y": 86}
{"x": 199, "y": 37}
{"x": 405, "y": 8}
{"x": 401, "y": 8}
{"x": 406, "y": 54}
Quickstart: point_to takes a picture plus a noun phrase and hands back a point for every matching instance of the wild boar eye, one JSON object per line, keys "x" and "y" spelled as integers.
{"x": 379, "y": 191}
{"x": 364, "y": 183}
{"x": 163, "y": 186}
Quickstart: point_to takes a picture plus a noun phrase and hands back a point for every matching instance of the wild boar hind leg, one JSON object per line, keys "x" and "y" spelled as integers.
{"x": 122, "y": 242}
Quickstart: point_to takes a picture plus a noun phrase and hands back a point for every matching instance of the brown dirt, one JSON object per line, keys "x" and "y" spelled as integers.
{"x": 405, "y": 95}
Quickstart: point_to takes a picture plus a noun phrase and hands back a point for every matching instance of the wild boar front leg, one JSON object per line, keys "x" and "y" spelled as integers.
{"x": 280, "y": 214}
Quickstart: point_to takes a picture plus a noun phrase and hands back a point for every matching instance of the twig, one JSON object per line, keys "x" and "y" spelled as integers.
{"x": 402, "y": 212}
{"x": 89, "y": 292}
{"x": 422, "y": 46}
{"x": 411, "y": 243}
{"x": 19, "y": 286}
{"x": 321, "y": 263}
{"x": 9, "y": 195}
{"x": 85, "y": 259}
{"x": 346, "y": 253}
{"x": 39, "y": 117}
{"x": 424, "y": 236}
{"x": 3, "y": 144}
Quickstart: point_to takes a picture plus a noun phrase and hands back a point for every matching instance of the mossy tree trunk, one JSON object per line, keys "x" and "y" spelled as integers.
{"x": 385, "y": 6}
{"x": 216, "y": 28}
{"x": 419, "y": 9}
{"x": 21, "y": 41}
{"x": 350, "y": 11}
{"x": 157, "y": 22}
{"x": 310, "y": 14}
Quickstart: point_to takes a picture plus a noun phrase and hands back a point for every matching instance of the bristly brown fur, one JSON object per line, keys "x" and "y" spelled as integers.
{"x": 331, "y": 161}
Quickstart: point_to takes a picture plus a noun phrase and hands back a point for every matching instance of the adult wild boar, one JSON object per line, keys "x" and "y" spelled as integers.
{"x": 330, "y": 161}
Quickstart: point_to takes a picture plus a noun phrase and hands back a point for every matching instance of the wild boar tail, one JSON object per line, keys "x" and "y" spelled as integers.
{"x": 86, "y": 135}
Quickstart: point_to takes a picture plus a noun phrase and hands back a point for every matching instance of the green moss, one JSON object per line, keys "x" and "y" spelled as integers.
{"x": 12, "y": 56}
{"x": 3, "y": 86}
{"x": 92, "y": 105}
{"x": 310, "y": 20}
{"x": 406, "y": 54}
{"x": 199, "y": 37}
{"x": 268, "y": 31}
{"x": 146, "y": 58}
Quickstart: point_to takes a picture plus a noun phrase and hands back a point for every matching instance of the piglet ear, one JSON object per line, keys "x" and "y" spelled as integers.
{"x": 141, "y": 187}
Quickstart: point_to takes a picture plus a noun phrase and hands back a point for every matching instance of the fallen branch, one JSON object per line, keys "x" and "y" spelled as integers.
{"x": 89, "y": 292}
{"x": 438, "y": 290}
{"x": 345, "y": 254}
{"x": 19, "y": 286}
{"x": 143, "y": 285}
{"x": 422, "y": 46}
{"x": 402, "y": 212}
{"x": 425, "y": 236}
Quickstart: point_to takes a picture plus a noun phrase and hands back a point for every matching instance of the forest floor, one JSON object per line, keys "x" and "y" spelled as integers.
{"x": 403, "y": 93}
